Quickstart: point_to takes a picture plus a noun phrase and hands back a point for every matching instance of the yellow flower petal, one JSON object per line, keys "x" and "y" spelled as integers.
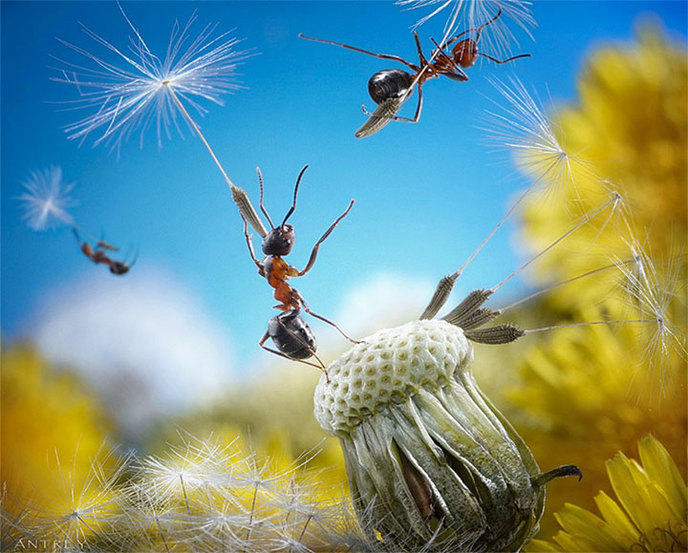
{"x": 618, "y": 523}
{"x": 580, "y": 522}
{"x": 537, "y": 546}
{"x": 573, "y": 543}
{"x": 661, "y": 468}
{"x": 631, "y": 497}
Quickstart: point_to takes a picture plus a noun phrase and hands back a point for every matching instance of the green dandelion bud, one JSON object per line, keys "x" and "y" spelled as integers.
{"x": 431, "y": 463}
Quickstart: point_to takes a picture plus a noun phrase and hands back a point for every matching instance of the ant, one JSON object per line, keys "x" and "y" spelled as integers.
{"x": 99, "y": 255}
{"x": 391, "y": 87}
{"x": 289, "y": 331}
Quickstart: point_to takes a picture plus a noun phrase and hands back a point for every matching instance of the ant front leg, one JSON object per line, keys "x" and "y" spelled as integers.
{"x": 419, "y": 107}
{"x": 250, "y": 246}
{"x": 314, "y": 252}
{"x": 459, "y": 74}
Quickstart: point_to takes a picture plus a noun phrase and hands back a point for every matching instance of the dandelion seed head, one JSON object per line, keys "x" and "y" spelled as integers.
{"x": 462, "y": 15}
{"x": 46, "y": 199}
{"x": 128, "y": 91}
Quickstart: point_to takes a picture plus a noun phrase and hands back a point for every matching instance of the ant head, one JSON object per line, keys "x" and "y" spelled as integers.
{"x": 279, "y": 241}
{"x": 119, "y": 268}
{"x": 466, "y": 52}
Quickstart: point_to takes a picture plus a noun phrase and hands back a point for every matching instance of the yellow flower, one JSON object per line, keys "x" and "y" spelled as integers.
{"x": 648, "y": 515}
{"x": 580, "y": 394}
{"x": 53, "y": 459}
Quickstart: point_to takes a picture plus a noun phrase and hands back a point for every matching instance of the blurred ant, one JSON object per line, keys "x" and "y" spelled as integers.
{"x": 99, "y": 255}
{"x": 289, "y": 331}
{"x": 391, "y": 87}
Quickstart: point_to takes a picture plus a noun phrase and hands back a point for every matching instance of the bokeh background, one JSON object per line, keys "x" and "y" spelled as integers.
{"x": 88, "y": 357}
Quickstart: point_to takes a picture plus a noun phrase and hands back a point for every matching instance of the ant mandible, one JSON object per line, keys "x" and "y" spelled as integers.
{"x": 288, "y": 330}
{"x": 390, "y": 88}
{"x": 99, "y": 255}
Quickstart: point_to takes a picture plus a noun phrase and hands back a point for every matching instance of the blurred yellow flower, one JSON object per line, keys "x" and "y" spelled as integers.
{"x": 649, "y": 514}
{"x": 583, "y": 393}
{"x": 54, "y": 464}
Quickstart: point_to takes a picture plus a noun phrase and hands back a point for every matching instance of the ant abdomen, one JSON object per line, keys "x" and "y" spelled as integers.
{"x": 387, "y": 84}
{"x": 119, "y": 268}
{"x": 292, "y": 335}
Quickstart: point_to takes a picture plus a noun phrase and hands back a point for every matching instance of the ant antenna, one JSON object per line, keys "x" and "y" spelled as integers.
{"x": 480, "y": 29}
{"x": 262, "y": 208}
{"x": 503, "y": 61}
{"x": 296, "y": 191}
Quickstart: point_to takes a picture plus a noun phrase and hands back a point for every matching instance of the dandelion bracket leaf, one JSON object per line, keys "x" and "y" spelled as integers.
{"x": 500, "y": 334}
{"x": 467, "y": 307}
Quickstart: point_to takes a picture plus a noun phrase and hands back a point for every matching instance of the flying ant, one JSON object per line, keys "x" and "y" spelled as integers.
{"x": 99, "y": 255}
{"x": 390, "y": 88}
{"x": 289, "y": 331}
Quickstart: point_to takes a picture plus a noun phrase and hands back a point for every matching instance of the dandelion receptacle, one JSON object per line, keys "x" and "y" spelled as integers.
{"x": 432, "y": 464}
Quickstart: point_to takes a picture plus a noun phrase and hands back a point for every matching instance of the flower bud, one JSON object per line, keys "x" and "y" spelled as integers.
{"x": 431, "y": 463}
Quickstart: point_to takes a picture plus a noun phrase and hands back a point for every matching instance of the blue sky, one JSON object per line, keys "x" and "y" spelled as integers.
{"x": 426, "y": 194}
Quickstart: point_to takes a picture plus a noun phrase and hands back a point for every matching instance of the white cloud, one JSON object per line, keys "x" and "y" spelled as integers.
{"x": 384, "y": 300}
{"x": 142, "y": 342}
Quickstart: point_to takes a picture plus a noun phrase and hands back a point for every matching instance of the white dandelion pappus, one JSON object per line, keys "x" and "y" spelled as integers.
{"x": 651, "y": 295}
{"x": 136, "y": 90}
{"x": 470, "y": 14}
{"x": 46, "y": 199}
{"x": 139, "y": 90}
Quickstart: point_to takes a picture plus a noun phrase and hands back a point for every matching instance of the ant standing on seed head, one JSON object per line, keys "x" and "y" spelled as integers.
{"x": 289, "y": 331}
{"x": 390, "y": 88}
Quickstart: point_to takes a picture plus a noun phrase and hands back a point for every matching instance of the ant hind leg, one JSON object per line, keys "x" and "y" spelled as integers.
{"x": 332, "y": 323}
{"x": 321, "y": 366}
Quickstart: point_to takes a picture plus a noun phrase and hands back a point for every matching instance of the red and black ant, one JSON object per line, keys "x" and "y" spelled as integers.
{"x": 390, "y": 88}
{"x": 289, "y": 331}
{"x": 99, "y": 255}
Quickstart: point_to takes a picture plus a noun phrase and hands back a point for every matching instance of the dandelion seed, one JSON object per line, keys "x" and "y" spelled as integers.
{"x": 469, "y": 14}
{"x": 187, "y": 468}
{"x": 131, "y": 91}
{"x": 521, "y": 126}
{"x": 88, "y": 508}
{"x": 46, "y": 199}
{"x": 651, "y": 295}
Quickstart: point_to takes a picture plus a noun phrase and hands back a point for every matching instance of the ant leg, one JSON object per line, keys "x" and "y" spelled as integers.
{"x": 262, "y": 207}
{"x": 503, "y": 61}
{"x": 383, "y": 56}
{"x": 458, "y": 71}
{"x": 314, "y": 252}
{"x": 321, "y": 367}
{"x": 405, "y": 119}
{"x": 296, "y": 191}
{"x": 307, "y": 310}
{"x": 250, "y": 245}
{"x": 421, "y": 57}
